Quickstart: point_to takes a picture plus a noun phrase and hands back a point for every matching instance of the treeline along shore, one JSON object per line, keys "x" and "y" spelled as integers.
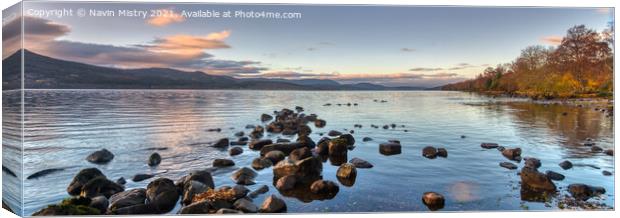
{"x": 581, "y": 66}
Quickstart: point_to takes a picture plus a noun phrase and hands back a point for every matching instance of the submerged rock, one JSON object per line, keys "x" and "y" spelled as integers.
{"x": 609, "y": 152}
{"x": 390, "y": 148}
{"x": 566, "y": 165}
{"x": 442, "y": 152}
{"x": 360, "y": 163}
{"x": 319, "y": 123}
{"x": 606, "y": 173}
{"x": 154, "y": 159}
{"x": 508, "y": 165}
{"x": 334, "y": 133}
{"x": 536, "y": 181}
{"x": 141, "y": 177}
{"x": 265, "y": 117}
{"x": 100, "y": 157}
{"x": 554, "y": 175}
{"x": 596, "y": 149}
{"x": 366, "y": 139}
{"x": 489, "y": 145}
{"x": 224, "y": 142}
{"x": 433, "y": 200}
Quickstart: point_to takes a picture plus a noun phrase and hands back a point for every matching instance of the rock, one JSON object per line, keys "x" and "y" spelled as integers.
{"x": 100, "y": 186}
{"x": 304, "y": 130}
{"x": 265, "y": 117}
{"x": 360, "y": 163}
{"x": 250, "y": 126}
{"x": 190, "y": 189}
{"x": 261, "y": 163}
{"x": 81, "y": 178}
{"x": 322, "y": 147}
{"x": 324, "y": 187}
{"x": 566, "y": 165}
{"x": 532, "y": 162}
{"x": 202, "y": 176}
{"x": 100, "y": 157}
{"x": 240, "y": 191}
{"x": 285, "y": 168}
{"x": 154, "y": 159}
{"x": 100, "y": 202}
{"x": 596, "y": 149}
{"x": 434, "y": 201}
{"x": 259, "y": 144}
{"x": 534, "y": 180}
{"x": 239, "y": 134}
{"x": 127, "y": 198}
{"x": 554, "y": 175}
{"x": 319, "y": 123}
{"x": 306, "y": 141}
{"x": 227, "y": 211}
{"x": 260, "y": 190}
{"x": 584, "y": 192}
{"x": 501, "y": 148}
{"x": 512, "y": 154}
{"x": 245, "y": 205}
{"x": 300, "y": 154}
{"x": 606, "y": 173}
{"x": 429, "y": 152}
{"x": 489, "y": 145}
{"x": 285, "y": 148}
{"x": 121, "y": 181}
{"x": 334, "y": 133}
{"x": 346, "y": 174}
{"x": 141, "y": 177}
{"x": 72, "y": 206}
{"x": 224, "y": 142}
{"x": 286, "y": 183}
{"x": 273, "y": 204}
{"x": 307, "y": 168}
{"x": 609, "y": 152}
{"x": 337, "y": 147}
{"x": 463, "y": 136}
{"x": 42, "y": 173}
{"x": 275, "y": 156}
{"x": 589, "y": 143}
{"x": 239, "y": 142}
{"x": 223, "y": 163}
{"x": 244, "y": 139}
{"x": 389, "y": 148}
{"x": 280, "y": 140}
{"x": 366, "y": 139}
{"x": 442, "y": 152}
{"x": 508, "y": 165}
{"x": 350, "y": 140}
{"x": 162, "y": 195}
{"x": 214, "y": 130}
{"x": 244, "y": 176}
{"x": 234, "y": 151}
{"x": 202, "y": 207}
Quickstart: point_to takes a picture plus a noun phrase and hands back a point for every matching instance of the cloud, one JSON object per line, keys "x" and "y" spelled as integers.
{"x": 551, "y": 40}
{"x": 603, "y": 10}
{"x": 292, "y": 75}
{"x": 407, "y": 49}
{"x": 426, "y": 69}
{"x": 188, "y": 44}
{"x": 35, "y": 30}
{"x": 168, "y": 17}
{"x": 461, "y": 66}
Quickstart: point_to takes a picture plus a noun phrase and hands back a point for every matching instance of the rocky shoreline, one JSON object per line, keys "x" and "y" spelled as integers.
{"x": 297, "y": 172}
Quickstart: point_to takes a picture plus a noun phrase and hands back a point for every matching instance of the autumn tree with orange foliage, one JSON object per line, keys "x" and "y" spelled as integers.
{"x": 581, "y": 66}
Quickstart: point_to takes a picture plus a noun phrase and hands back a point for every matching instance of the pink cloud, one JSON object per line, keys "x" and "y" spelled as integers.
{"x": 551, "y": 40}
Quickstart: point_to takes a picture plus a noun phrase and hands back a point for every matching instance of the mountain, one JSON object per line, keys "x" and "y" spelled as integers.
{"x": 42, "y": 72}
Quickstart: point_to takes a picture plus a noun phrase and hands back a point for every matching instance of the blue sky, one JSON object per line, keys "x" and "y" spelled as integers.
{"x": 380, "y": 44}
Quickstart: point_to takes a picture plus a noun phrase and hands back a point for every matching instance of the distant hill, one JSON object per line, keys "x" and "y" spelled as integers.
{"x": 42, "y": 72}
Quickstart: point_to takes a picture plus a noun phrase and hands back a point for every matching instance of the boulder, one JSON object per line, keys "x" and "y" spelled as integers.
{"x": 227, "y": 211}
{"x": 360, "y": 163}
{"x": 223, "y": 163}
{"x": 202, "y": 207}
{"x": 259, "y": 144}
{"x": 275, "y": 156}
{"x": 81, "y": 178}
{"x": 245, "y": 205}
{"x": 554, "y": 175}
{"x": 281, "y": 140}
{"x": 240, "y": 191}
{"x": 239, "y": 134}
{"x": 260, "y": 163}
{"x": 162, "y": 195}
{"x": 121, "y": 181}
{"x": 334, "y": 133}
{"x": 141, "y": 177}
{"x": 202, "y": 176}
{"x": 442, "y": 152}
{"x": 304, "y": 130}
{"x": 606, "y": 173}
{"x": 224, "y": 142}
{"x": 324, "y": 187}
{"x": 319, "y": 123}
{"x": 508, "y": 165}
{"x": 154, "y": 159}
{"x": 434, "y": 201}
{"x": 489, "y": 145}
{"x": 286, "y": 183}
{"x": 190, "y": 189}
{"x": 127, "y": 198}
{"x": 306, "y": 141}
{"x": 389, "y": 148}
{"x": 584, "y": 192}
{"x": 534, "y": 180}
{"x": 239, "y": 142}
{"x": 346, "y": 174}
{"x": 366, "y": 139}
{"x": 609, "y": 152}
{"x": 265, "y": 117}
{"x": 337, "y": 147}
{"x": 309, "y": 167}
{"x": 260, "y": 190}
{"x": 73, "y": 206}
{"x": 596, "y": 149}
{"x": 244, "y": 176}
{"x": 234, "y": 151}
{"x": 322, "y": 147}
{"x": 429, "y": 152}
{"x": 531, "y": 162}
{"x": 100, "y": 157}
{"x": 512, "y": 154}
{"x": 300, "y": 154}
{"x": 566, "y": 165}
{"x": 273, "y": 204}
{"x": 100, "y": 186}
{"x": 285, "y": 168}
{"x": 100, "y": 202}
{"x": 350, "y": 140}
{"x": 285, "y": 148}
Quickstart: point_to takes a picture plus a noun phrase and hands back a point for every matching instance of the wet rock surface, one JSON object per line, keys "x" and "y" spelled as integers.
{"x": 100, "y": 157}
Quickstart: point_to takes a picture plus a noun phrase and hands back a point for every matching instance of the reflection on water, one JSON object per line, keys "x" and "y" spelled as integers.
{"x": 11, "y": 150}
{"x": 63, "y": 126}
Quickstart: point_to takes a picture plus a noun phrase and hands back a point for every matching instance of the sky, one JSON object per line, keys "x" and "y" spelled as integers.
{"x": 393, "y": 46}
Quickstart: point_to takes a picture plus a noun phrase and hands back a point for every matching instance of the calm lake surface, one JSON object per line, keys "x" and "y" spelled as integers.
{"x": 62, "y": 127}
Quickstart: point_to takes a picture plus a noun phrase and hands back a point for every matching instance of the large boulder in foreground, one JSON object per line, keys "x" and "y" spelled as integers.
{"x": 346, "y": 174}
{"x": 308, "y": 167}
{"x": 162, "y": 195}
{"x": 273, "y": 204}
{"x": 127, "y": 198}
{"x": 100, "y": 186}
{"x": 433, "y": 200}
{"x": 100, "y": 157}
{"x": 81, "y": 178}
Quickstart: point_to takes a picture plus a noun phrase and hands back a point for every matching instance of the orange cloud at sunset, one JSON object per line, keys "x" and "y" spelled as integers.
{"x": 189, "y": 45}
{"x": 551, "y": 40}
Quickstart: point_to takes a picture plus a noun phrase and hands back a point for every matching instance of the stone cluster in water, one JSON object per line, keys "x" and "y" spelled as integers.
{"x": 297, "y": 172}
